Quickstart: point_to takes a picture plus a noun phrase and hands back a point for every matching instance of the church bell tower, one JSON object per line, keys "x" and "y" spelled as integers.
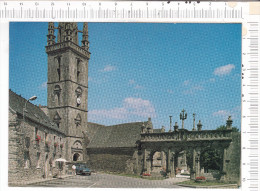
{"x": 68, "y": 83}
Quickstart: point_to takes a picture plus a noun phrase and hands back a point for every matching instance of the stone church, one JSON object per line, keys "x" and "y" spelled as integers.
{"x": 38, "y": 135}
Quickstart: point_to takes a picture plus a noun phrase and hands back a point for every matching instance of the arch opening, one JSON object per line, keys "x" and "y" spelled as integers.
{"x": 76, "y": 157}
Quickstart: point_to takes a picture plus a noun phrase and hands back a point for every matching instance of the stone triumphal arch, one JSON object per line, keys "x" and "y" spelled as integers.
{"x": 163, "y": 149}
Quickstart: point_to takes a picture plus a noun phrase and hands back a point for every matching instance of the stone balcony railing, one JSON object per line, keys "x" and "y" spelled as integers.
{"x": 184, "y": 135}
{"x": 67, "y": 44}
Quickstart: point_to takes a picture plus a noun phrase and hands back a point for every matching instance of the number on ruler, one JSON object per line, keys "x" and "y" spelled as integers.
{"x": 36, "y": 3}
{"x": 83, "y": 4}
{"x": 21, "y": 4}
{"x": 52, "y": 3}
{"x": 5, "y": 3}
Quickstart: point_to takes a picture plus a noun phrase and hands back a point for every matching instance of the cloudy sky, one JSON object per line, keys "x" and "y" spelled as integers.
{"x": 141, "y": 70}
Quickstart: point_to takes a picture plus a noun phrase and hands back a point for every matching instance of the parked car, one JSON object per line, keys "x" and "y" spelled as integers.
{"x": 82, "y": 170}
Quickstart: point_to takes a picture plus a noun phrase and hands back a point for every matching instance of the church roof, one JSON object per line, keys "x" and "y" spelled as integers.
{"x": 115, "y": 136}
{"x": 33, "y": 112}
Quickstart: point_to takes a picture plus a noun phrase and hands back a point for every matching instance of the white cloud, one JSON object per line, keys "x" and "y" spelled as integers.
{"x": 212, "y": 80}
{"x": 224, "y": 70}
{"x": 186, "y": 82}
{"x": 108, "y": 68}
{"x": 43, "y": 85}
{"x": 134, "y": 84}
{"x": 131, "y": 107}
{"x": 193, "y": 89}
{"x": 170, "y": 91}
{"x": 138, "y": 87}
{"x": 221, "y": 113}
{"x": 131, "y": 81}
{"x": 234, "y": 112}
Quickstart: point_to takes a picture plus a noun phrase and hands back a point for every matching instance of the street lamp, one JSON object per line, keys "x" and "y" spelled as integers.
{"x": 30, "y": 99}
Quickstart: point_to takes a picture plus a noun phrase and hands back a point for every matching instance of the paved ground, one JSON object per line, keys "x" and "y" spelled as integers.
{"x": 109, "y": 181}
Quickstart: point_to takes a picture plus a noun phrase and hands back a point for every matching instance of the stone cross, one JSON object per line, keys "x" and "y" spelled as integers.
{"x": 183, "y": 116}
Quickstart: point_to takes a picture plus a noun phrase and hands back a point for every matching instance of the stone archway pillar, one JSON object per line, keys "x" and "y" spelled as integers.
{"x": 172, "y": 165}
{"x": 168, "y": 170}
{"x": 192, "y": 170}
{"x": 224, "y": 167}
{"x": 197, "y": 167}
{"x": 145, "y": 162}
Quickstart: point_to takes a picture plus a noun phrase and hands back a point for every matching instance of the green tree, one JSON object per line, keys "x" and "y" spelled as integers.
{"x": 224, "y": 127}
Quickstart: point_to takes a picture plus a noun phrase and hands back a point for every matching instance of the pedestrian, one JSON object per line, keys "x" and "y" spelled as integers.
{"x": 74, "y": 169}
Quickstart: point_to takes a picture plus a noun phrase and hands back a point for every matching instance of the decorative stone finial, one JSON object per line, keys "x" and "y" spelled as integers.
{"x": 176, "y": 126}
{"x": 193, "y": 129}
{"x": 85, "y": 42}
{"x": 163, "y": 129}
{"x": 229, "y": 122}
{"x": 149, "y": 125}
{"x": 199, "y": 126}
{"x": 50, "y": 37}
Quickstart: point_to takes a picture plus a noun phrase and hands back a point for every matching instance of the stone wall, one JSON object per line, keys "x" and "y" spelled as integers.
{"x": 30, "y": 159}
{"x": 234, "y": 158}
{"x": 122, "y": 160}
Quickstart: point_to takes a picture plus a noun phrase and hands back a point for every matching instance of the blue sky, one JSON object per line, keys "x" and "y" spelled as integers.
{"x": 139, "y": 70}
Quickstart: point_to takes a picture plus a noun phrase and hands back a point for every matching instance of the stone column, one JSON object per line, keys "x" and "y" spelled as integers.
{"x": 197, "y": 168}
{"x": 224, "y": 167}
{"x": 145, "y": 163}
{"x": 172, "y": 165}
{"x": 184, "y": 166}
{"x": 192, "y": 169}
{"x": 169, "y": 163}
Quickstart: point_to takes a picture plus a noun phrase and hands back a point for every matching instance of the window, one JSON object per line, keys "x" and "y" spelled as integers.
{"x": 38, "y": 160}
{"x": 26, "y": 159}
{"x": 58, "y": 69}
{"x": 35, "y": 132}
{"x": 78, "y": 70}
{"x": 57, "y": 91}
{"x": 45, "y": 136}
{"x": 57, "y": 119}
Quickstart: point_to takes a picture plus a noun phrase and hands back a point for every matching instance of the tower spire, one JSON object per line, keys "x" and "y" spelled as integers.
{"x": 50, "y": 37}
{"x": 85, "y": 42}
{"x": 68, "y": 32}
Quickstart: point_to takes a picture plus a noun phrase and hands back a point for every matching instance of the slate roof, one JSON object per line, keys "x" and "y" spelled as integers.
{"x": 34, "y": 113}
{"x": 115, "y": 136}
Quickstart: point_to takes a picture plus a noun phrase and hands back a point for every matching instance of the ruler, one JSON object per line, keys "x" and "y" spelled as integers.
{"x": 131, "y": 11}
{"x": 118, "y": 11}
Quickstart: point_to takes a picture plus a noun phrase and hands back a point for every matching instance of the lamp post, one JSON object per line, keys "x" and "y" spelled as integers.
{"x": 30, "y": 99}
{"x": 183, "y": 116}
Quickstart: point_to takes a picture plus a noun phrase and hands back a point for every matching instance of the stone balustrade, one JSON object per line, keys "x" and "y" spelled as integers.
{"x": 67, "y": 44}
{"x": 187, "y": 136}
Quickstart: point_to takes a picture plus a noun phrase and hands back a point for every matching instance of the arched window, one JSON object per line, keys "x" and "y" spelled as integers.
{"x": 58, "y": 67}
{"x": 78, "y": 70}
{"x": 78, "y": 120}
{"x": 57, "y": 91}
{"x": 57, "y": 119}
